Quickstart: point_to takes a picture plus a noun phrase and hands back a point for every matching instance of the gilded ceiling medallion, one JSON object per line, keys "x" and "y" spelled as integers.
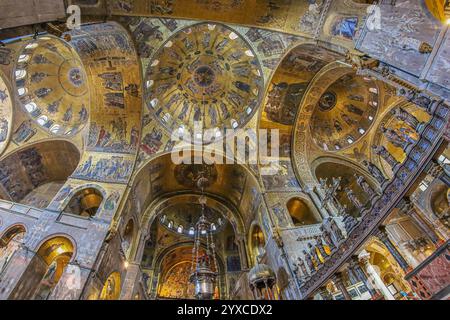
{"x": 327, "y": 101}
{"x": 205, "y": 73}
{"x": 52, "y": 85}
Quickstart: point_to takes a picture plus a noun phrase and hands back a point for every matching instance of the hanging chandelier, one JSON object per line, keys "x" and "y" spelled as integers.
{"x": 204, "y": 263}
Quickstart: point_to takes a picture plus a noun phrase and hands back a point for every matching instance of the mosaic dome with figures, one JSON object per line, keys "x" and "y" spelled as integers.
{"x": 5, "y": 114}
{"x": 52, "y": 85}
{"x": 344, "y": 112}
{"x": 206, "y": 73}
{"x": 323, "y": 171}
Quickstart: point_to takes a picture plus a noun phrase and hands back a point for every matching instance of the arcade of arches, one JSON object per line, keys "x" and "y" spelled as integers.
{"x": 351, "y": 204}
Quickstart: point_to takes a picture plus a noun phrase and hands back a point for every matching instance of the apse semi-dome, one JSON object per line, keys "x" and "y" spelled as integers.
{"x": 206, "y": 73}
{"x": 52, "y": 86}
{"x": 5, "y": 114}
{"x": 344, "y": 112}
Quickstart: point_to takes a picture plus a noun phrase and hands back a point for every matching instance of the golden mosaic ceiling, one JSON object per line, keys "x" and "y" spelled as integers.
{"x": 205, "y": 73}
{"x": 344, "y": 112}
{"x": 5, "y": 114}
{"x": 52, "y": 86}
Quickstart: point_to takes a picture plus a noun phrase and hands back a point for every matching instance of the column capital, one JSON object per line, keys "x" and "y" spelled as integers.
{"x": 406, "y": 205}
{"x": 354, "y": 262}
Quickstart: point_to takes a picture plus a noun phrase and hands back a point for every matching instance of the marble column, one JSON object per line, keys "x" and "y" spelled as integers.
{"x": 409, "y": 209}
{"x": 384, "y": 237}
{"x": 70, "y": 285}
{"x": 360, "y": 274}
{"x": 131, "y": 280}
{"x": 373, "y": 275}
{"x": 338, "y": 280}
{"x": 141, "y": 247}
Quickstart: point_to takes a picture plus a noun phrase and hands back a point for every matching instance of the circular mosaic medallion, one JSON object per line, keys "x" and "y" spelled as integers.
{"x": 327, "y": 101}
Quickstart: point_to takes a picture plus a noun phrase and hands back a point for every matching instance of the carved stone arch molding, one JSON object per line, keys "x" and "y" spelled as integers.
{"x": 17, "y": 227}
{"x": 65, "y": 236}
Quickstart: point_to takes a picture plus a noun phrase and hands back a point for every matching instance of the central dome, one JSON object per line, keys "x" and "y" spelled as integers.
{"x": 205, "y": 73}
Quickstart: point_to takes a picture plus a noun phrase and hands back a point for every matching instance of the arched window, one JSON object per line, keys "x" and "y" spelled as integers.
{"x": 45, "y": 270}
{"x": 20, "y": 74}
{"x": 300, "y": 213}
{"x": 85, "y": 202}
{"x": 9, "y": 243}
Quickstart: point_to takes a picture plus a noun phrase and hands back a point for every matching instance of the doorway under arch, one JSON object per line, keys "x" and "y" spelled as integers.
{"x": 45, "y": 269}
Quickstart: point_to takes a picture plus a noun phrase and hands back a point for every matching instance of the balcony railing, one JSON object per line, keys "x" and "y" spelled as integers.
{"x": 404, "y": 176}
